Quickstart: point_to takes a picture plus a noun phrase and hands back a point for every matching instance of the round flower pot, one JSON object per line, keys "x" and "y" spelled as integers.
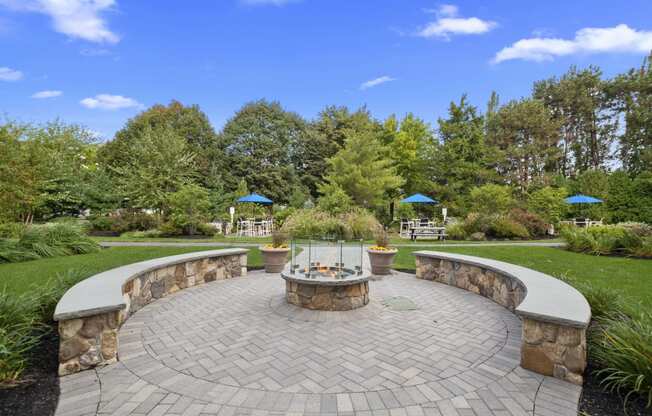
{"x": 381, "y": 261}
{"x": 274, "y": 259}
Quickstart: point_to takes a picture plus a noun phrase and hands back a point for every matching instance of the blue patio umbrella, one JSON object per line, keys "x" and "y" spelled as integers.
{"x": 255, "y": 198}
{"x": 582, "y": 199}
{"x": 418, "y": 199}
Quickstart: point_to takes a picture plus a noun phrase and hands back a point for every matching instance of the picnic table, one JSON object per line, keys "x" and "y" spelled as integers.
{"x": 582, "y": 222}
{"x": 427, "y": 231}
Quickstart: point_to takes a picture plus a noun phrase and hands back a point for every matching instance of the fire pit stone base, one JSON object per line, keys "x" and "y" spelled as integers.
{"x": 328, "y": 297}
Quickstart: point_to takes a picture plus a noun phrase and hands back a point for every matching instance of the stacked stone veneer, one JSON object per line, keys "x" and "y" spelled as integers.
{"x": 92, "y": 340}
{"x": 548, "y": 348}
{"x": 327, "y": 297}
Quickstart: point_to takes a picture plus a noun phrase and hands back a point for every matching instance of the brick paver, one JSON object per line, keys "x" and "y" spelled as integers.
{"x": 235, "y": 347}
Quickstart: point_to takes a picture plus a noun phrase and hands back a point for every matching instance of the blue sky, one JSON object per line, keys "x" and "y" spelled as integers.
{"x": 99, "y": 62}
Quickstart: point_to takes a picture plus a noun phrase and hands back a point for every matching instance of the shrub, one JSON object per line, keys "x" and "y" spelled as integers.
{"x": 534, "y": 224}
{"x": 314, "y": 223}
{"x": 206, "y": 229}
{"x": 281, "y": 215}
{"x": 548, "y": 203}
{"x": 13, "y": 230}
{"x": 23, "y": 321}
{"x": 641, "y": 229}
{"x": 169, "y": 229}
{"x": 456, "y": 231}
{"x": 11, "y": 253}
{"x": 56, "y": 240}
{"x": 645, "y": 249}
{"x": 102, "y": 223}
{"x": 605, "y": 240}
{"x": 49, "y": 240}
{"x": 16, "y": 341}
{"x": 504, "y": 227}
{"x": 125, "y": 222}
{"x": 476, "y": 222}
{"x": 603, "y": 301}
{"x": 360, "y": 224}
{"x": 623, "y": 348}
{"x": 491, "y": 199}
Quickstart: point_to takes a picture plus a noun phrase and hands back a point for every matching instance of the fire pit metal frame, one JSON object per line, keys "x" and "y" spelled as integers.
{"x": 320, "y": 286}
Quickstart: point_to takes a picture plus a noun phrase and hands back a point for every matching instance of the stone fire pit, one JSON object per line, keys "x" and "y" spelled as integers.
{"x": 326, "y": 288}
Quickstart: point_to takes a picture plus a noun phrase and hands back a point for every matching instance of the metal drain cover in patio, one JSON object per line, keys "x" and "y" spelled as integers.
{"x": 400, "y": 303}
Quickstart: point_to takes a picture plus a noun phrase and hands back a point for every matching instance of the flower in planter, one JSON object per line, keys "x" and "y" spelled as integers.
{"x": 279, "y": 240}
{"x": 382, "y": 242}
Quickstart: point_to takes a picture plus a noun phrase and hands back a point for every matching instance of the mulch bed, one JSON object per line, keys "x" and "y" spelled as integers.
{"x": 38, "y": 392}
{"x": 596, "y": 402}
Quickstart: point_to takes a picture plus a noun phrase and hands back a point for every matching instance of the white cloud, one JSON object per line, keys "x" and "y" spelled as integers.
{"x": 375, "y": 82}
{"x": 8, "y": 74}
{"x": 47, "y": 94}
{"x": 448, "y": 23}
{"x": 109, "y": 102}
{"x": 620, "y": 38}
{"x": 95, "y": 52}
{"x": 268, "y": 2}
{"x": 76, "y": 18}
{"x": 448, "y": 10}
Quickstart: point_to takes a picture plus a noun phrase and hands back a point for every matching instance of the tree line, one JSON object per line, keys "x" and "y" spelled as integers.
{"x": 578, "y": 132}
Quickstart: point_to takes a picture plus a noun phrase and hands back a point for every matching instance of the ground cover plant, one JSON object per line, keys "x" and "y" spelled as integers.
{"x": 48, "y": 240}
{"x": 628, "y": 240}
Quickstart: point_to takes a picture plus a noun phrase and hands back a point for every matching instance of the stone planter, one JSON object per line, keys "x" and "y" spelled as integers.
{"x": 274, "y": 259}
{"x": 381, "y": 261}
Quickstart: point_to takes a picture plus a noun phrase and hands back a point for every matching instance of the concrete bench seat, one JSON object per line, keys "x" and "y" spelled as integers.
{"x": 90, "y": 313}
{"x": 555, "y": 315}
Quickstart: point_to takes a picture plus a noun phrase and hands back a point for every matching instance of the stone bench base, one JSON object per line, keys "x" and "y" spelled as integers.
{"x": 326, "y": 297}
{"x": 92, "y": 340}
{"x": 549, "y": 348}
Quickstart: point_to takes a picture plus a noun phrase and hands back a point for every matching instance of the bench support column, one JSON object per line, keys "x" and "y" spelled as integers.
{"x": 88, "y": 342}
{"x": 554, "y": 350}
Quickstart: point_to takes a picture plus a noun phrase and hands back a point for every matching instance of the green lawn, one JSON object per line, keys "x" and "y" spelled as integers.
{"x": 263, "y": 240}
{"x": 631, "y": 277}
{"x": 19, "y": 277}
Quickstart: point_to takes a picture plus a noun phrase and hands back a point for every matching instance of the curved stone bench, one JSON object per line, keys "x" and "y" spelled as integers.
{"x": 555, "y": 315}
{"x": 90, "y": 312}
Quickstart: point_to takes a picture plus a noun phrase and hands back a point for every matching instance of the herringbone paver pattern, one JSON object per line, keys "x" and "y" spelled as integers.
{"x": 235, "y": 347}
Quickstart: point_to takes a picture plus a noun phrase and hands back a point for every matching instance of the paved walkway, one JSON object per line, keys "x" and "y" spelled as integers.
{"x": 235, "y": 243}
{"x": 235, "y": 347}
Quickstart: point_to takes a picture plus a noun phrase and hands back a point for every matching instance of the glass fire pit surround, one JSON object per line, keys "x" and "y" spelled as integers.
{"x": 326, "y": 275}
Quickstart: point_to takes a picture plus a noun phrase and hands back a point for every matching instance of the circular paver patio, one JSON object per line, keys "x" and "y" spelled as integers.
{"x": 236, "y": 347}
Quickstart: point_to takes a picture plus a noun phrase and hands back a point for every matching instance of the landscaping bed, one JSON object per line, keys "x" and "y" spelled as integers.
{"x": 38, "y": 391}
{"x": 596, "y": 401}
